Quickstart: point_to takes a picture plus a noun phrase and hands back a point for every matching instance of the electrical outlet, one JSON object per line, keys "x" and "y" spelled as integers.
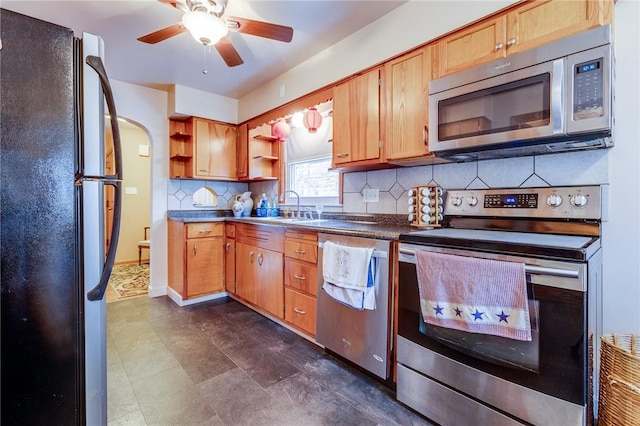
{"x": 371, "y": 195}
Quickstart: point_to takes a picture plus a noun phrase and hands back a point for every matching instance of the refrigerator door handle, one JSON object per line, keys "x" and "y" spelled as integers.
{"x": 97, "y": 293}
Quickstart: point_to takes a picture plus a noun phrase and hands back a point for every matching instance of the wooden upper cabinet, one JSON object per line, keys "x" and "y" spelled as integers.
{"x": 470, "y": 46}
{"x": 522, "y": 28}
{"x": 356, "y": 119}
{"x": 407, "y": 102}
{"x": 242, "y": 152}
{"x": 542, "y": 22}
{"x": 215, "y": 149}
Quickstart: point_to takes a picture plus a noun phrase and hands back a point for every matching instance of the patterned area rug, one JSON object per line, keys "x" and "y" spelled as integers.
{"x": 130, "y": 280}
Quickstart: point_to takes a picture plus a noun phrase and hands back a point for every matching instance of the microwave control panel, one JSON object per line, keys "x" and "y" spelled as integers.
{"x": 588, "y": 83}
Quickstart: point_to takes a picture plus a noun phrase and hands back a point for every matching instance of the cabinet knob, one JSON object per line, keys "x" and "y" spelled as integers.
{"x": 300, "y": 277}
{"x": 260, "y": 259}
{"x": 195, "y": 249}
{"x": 498, "y": 46}
{"x": 227, "y": 246}
{"x": 342, "y": 154}
{"x": 511, "y": 42}
{"x": 251, "y": 256}
{"x": 300, "y": 252}
{"x": 299, "y": 311}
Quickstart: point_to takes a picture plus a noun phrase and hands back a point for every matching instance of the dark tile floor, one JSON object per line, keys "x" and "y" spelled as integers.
{"x": 220, "y": 363}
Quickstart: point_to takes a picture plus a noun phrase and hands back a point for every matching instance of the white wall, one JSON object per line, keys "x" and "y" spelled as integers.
{"x": 187, "y": 101}
{"x": 621, "y": 234}
{"x": 148, "y": 108}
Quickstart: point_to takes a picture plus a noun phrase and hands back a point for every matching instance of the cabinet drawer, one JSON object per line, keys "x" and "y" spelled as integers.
{"x": 270, "y": 238}
{"x": 204, "y": 230}
{"x": 300, "y": 311}
{"x": 301, "y": 251}
{"x": 301, "y": 276}
{"x": 230, "y": 230}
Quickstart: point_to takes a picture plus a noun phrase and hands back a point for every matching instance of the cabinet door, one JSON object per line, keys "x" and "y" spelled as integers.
{"x": 246, "y": 285}
{"x": 230, "y": 266}
{"x": 407, "y": 89}
{"x": 541, "y": 22}
{"x": 474, "y": 45}
{"x": 356, "y": 119}
{"x": 205, "y": 266}
{"x": 269, "y": 269}
{"x": 242, "y": 152}
{"x": 215, "y": 150}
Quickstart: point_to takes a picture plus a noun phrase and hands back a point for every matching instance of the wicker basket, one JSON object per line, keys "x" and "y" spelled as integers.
{"x": 619, "y": 398}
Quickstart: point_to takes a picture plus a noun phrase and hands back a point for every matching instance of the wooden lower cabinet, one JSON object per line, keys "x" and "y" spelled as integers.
{"x": 196, "y": 258}
{"x": 300, "y": 310}
{"x": 301, "y": 258}
{"x": 230, "y": 257}
{"x": 259, "y": 267}
{"x": 230, "y": 266}
{"x": 259, "y": 278}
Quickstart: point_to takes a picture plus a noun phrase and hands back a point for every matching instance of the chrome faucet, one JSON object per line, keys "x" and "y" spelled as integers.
{"x": 297, "y": 197}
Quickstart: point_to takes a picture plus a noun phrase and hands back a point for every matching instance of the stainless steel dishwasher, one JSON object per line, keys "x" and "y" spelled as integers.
{"x": 362, "y": 337}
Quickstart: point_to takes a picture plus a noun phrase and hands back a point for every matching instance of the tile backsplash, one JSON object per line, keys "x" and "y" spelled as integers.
{"x": 564, "y": 169}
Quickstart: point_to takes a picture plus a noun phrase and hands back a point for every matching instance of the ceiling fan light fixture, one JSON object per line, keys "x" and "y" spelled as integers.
{"x": 205, "y": 28}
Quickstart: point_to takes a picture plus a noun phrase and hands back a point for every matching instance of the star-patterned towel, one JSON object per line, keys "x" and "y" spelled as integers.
{"x": 473, "y": 294}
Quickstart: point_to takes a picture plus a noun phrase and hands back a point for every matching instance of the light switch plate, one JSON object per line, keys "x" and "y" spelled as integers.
{"x": 371, "y": 195}
{"x": 143, "y": 150}
{"x": 131, "y": 190}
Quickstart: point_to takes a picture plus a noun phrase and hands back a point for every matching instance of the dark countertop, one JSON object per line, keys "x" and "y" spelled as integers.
{"x": 384, "y": 227}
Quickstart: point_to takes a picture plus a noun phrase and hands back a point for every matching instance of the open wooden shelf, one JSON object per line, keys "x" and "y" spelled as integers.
{"x": 181, "y": 135}
{"x": 266, "y": 157}
{"x": 179, "y": 157}
{"x": 264, "y": 178}
{"x": 266, "y": 138}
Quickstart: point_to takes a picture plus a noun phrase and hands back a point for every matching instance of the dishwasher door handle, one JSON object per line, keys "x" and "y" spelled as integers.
{"x": 376, "y": 253}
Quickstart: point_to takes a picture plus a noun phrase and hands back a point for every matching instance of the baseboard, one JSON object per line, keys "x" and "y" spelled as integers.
{"x": 175, "y": 296}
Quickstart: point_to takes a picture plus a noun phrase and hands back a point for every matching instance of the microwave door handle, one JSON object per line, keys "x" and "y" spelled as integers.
{"x": 97, "y": 292}
{"x": 558, "y": 95}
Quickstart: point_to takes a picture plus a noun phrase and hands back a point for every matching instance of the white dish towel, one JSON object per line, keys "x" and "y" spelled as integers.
{"x": 349, "y": 275}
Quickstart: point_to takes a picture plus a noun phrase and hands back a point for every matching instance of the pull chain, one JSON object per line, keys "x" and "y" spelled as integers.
{"x": 205, "y": 70}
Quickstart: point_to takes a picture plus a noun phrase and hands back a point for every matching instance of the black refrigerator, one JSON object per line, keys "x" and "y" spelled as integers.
{"x": 55, "y": 267}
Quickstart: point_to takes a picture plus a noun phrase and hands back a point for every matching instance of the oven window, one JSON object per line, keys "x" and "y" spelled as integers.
{"x": 495, "y": 349}
{"x": 517, "y": 105}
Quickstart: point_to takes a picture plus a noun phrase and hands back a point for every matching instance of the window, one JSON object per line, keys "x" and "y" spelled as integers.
{"x": 308, "y": 157}
{"x": 313, "y": 181}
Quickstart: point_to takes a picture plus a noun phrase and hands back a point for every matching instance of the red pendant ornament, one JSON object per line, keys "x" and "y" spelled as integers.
{"x": 281, "y": 129}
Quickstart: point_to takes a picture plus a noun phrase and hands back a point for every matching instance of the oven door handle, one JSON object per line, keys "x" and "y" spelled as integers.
{"x": 528, "y": 269}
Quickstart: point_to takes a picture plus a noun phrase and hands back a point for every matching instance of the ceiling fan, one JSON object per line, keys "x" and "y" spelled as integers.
{"x": 204, "y": 20}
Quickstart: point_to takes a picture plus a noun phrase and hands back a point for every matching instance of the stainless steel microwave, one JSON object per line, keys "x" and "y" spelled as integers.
{"x": 553, "y": 98}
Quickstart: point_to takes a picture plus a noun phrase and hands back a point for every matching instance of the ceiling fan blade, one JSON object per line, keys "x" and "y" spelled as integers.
{"x": 169, "y": 2}
{"x": 180, "y": 5}
{"x": 260, "y": 29}
{"x": 163, "y": 34}
{"x": 228, "y": 52}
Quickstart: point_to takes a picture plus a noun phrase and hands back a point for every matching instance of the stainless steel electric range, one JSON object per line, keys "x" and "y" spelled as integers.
{"x": 458, "y": 377}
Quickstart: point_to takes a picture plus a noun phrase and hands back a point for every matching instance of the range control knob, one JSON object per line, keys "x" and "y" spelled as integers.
{"x": 456, "y": 201}
{"x": 554, "y": 200}
{"x": 472, "y": 201}
{"x": 579, "y": 200}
